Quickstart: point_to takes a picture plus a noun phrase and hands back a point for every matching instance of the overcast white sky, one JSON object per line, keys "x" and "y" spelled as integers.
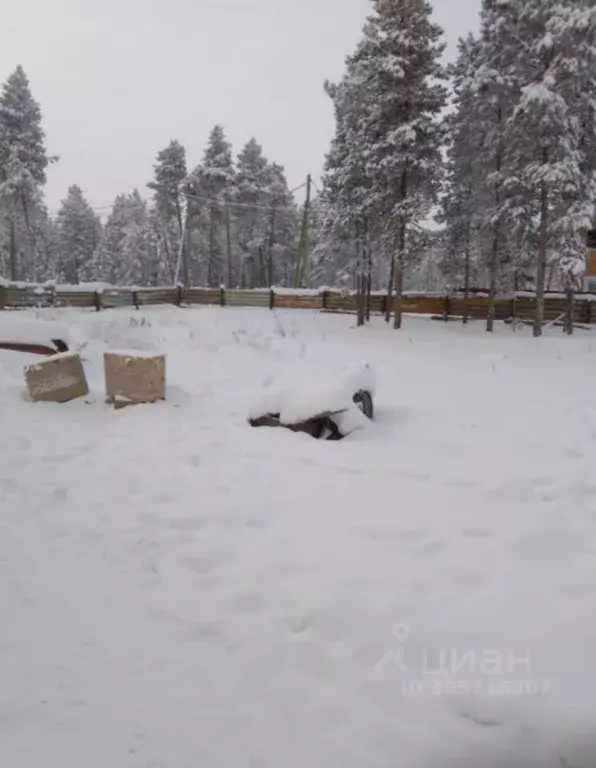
{"x": 117, "y": 79}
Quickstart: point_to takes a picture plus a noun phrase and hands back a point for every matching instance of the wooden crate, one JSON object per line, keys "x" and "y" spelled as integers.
{"x": 57, "y": 379}
{"x": 134, "y": 377}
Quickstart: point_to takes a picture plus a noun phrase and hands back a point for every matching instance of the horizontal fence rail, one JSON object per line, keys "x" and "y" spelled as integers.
{"x": 520, "y": 307}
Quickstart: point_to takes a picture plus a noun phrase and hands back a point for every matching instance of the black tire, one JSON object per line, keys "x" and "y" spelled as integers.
{"x": 364, "y": 401}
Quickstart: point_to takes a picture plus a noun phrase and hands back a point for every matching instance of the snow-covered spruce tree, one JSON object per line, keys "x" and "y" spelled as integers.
{"x": 108, "y": 256}
{"x": 281, "y": 222}
{"x": 168, "y": 185}
{"x": 497, "y": 87}
{"x": 397, "y": 73}
{"x": 79, "y": 234}
{"x": 23, "y": 164}
{"x": 552, "y": 134}
{"x": 212, "y": 183}
{"x": 250, "y": 206}
{"x": 346, "y": 225}
{"x": 459, "y": 208}
{"x": 127, "y": 253}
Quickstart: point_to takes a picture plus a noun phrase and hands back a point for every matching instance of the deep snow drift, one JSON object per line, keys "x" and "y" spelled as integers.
{"x": 178, "y": 589}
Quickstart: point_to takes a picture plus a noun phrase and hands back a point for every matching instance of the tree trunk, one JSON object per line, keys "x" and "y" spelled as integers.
{"x": 14, "y": 276}
{"x": 569, "y": 309}
{"x": 31, "y": 238}
{"x": 187, "y": 249}
{"x": 494, "y": 259}
{"x": 542, "y": 248}
{"x": 270, "y": 249}
{"x": 368, "y": 280}
{"x": 229, "y": 245}
{"x": 390, "y": 289}
{"x": 492, "y": 290}
{"x": 211, "y": 260}
{"x": 466, "y": 316}
{"x": 399, "y": 292}
{"x": 401, "y": 255}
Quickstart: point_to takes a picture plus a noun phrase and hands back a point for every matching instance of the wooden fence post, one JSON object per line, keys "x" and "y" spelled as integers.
{"x": 222, "y": 297}
{"x": 52, "y": 296}
{"x": 97, "y": 301}
{"x": 588, "y": 311}
{"x": 178, "y": 299}
{"x": 135, "y": 299}
{"x": 447, "y": 308}
{"x": 324, "y": 299}
{"x": 2, "y": 297}
{"x": 272, "y": 299}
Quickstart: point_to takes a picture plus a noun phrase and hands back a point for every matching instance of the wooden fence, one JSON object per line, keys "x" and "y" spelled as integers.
{"x": 520, "y": 306}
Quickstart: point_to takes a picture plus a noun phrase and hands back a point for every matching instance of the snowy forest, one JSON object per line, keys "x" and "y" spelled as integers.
{"x": 478, "y": 172}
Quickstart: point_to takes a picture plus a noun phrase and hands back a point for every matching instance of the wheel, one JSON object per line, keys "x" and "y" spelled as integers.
{"x": 364, "y": 401}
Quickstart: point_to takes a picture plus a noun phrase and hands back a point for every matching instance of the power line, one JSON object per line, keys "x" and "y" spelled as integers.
{"x": 204, "y": 198}
{"x": 231, "y": 204}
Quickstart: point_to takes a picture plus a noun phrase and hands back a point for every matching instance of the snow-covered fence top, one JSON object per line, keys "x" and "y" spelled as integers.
{"x": 100, "y": 296}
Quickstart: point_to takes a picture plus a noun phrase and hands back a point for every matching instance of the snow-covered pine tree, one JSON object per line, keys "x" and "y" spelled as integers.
{"x": 552, "y": 134}
{"x": 213, "y": 183}
{"x": 497, "y": 86}
{"x": 108, "y": 256}
{"x": 47, "y": 245}
{"x": 127, "y": 253}
{"x": 79, "y": 234}
{"x": 250, "y": 209}
{"x": 459, "y": 210}
{"x": 281, "y": 229}
{"x": 346, "y": 202}
{"x": 23, "y": 164}
{"x": 390, "y": 102}
{"x": 138, "y": 254}
{"x": 168, "y": 185}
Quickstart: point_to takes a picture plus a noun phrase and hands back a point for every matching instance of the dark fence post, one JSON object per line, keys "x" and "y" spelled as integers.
{"x": 325, "y": 298}
{"x": 588, "y": 311}
{"x": 222, "y": 297}
{"x": 52, "y": 296}
{"x": 97, "y": 301}
{"x": 178, "y": 299}
{"x": 447, "y": 308}
{"x": 272, "y": 299}
{"x": 135, "y": 299}
{"x": 3, "y": 300}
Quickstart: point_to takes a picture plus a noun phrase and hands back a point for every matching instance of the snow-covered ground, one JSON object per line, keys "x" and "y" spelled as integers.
{"x": 180, "y": 590}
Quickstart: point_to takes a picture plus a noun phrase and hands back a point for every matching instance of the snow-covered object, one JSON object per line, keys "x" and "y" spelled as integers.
{"x": 16, "y": 329}
{"x": 302, "y": 393}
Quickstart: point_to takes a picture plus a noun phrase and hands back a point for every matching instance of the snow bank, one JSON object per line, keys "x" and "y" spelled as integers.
{"x": 17, "y": 328}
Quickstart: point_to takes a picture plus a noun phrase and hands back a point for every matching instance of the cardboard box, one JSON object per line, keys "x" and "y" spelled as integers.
{"x": 57, "y": 379}
{"x": 134, "y": 377}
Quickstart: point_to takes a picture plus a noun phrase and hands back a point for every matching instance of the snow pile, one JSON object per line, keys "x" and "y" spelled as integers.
{"x": 16, "y": 327}
{"x": 301, "y": 392}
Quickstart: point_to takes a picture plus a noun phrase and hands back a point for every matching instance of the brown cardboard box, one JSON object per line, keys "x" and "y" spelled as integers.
{"x": 134, "y": 377}
{"x": 57, "y": 379}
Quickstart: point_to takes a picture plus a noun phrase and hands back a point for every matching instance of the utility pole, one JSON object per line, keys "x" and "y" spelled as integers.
{"x": 301, "y": 268}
